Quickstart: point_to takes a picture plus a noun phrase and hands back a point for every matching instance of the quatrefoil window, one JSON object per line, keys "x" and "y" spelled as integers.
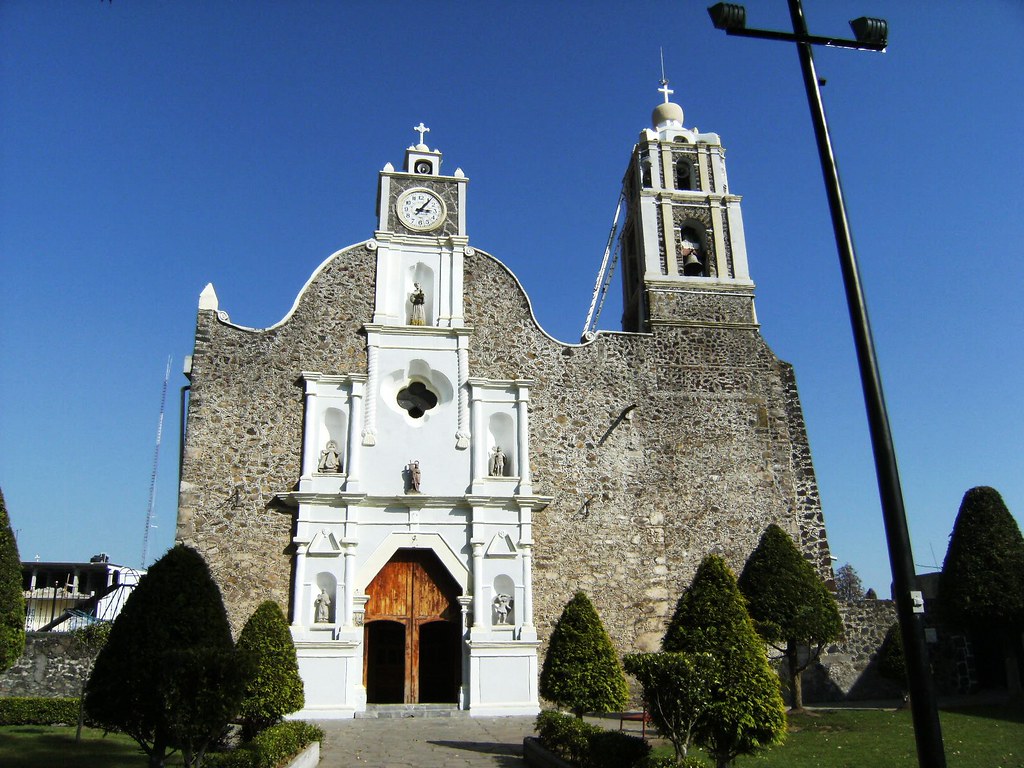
{"x": 416, "y": 399}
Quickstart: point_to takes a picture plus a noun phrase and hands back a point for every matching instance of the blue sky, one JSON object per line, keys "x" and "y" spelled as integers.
{"x": 147, "y": 148}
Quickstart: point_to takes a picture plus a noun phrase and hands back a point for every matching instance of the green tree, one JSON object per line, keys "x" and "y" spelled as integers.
{"x": 12, "y": 599}
{"x": 791, "y": 607}
{"x": 849, "y": 587}
{"x": 981, "y": 587}
{"x": 581, "y": 672}
{"x": 87, "y": 642}
{"x": 746, "y": 713}
{"x": 891, "y": 663}
{"x": 678, "y": 692}
{"x": 274, "y": 687}
{"x": 168, "y": 675}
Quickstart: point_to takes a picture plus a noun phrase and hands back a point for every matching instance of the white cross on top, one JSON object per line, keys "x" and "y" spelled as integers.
{"x": 664, "y": 89}
{"x": 423, "y": 129}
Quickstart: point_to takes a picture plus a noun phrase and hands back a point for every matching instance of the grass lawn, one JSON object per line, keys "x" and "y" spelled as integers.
{"x": 974, "y": 737}
{"x": 45, "y": 746}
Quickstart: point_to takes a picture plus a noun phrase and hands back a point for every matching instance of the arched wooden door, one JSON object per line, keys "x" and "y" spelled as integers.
{"x": 413, "y": 632}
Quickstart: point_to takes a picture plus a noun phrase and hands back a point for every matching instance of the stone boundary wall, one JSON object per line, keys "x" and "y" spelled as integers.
{"x": 53, "y": 666}
{"x": 846, "y": 670}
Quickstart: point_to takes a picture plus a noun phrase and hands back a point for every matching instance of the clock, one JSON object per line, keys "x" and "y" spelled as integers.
{"x": 420, "y": 209}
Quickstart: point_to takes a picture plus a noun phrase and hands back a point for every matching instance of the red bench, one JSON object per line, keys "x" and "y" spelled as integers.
{"x": 636, "y": 717}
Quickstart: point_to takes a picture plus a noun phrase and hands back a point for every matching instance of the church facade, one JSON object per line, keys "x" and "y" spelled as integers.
{"x": 422, "y": 477}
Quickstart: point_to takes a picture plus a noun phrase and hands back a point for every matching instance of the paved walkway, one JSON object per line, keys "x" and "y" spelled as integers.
{"x": 412, "y": 742}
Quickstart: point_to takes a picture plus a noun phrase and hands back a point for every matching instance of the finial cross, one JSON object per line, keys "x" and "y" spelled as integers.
{"x": 666, "y": 90}
{"x": 423, "y": 129}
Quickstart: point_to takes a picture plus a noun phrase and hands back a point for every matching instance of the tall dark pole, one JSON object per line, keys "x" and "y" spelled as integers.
{"x": 923, "y": 703}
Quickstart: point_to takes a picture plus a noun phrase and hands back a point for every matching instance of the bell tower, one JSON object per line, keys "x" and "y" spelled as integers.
{"x": 683, "y": 250}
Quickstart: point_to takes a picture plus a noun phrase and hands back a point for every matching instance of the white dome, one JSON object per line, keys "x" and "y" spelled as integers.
{"x": 667, "y": 113}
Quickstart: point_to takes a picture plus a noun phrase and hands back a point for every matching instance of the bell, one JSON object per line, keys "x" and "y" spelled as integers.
{"x": 692, "y": 266}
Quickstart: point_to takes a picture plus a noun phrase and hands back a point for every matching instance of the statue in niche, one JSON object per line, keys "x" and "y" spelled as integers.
{"x": 330, "y": 459}
{"x": 322, "y": 604}
{"x": 497, "y": 462}
{"x": 502, "y": 606}
{"x": 418, "y": 299}
{"x": 413, "y": 474}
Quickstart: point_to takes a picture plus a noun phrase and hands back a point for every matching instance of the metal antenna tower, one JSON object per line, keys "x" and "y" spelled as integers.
{"x": 604, "y": 274}
{"x": 156, "y": 460}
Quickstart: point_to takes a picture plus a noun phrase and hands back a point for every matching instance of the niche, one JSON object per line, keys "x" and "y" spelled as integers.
{"x": 325, "y": 598}
{"x": 501, "y": 435}
{"x": 503, "y": 604}
{"x": 419, "y": 296}
{"x": 684, "y": 174}
{"x": 336, "y": 429}
{"x": 692, "y": 254}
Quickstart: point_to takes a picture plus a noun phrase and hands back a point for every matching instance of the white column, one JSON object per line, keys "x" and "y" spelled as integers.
{"x": 522, "y": 411}
{"x": 668, "y": 228}
{"x": 478, "y": 446}
{"x": 716, "y": 235}
{"x": 355, "y": 417}
{"x": 458, "y": 283}
{"x": 463, "y": 434}
{"x": 350, "y": 575}
{"x": 527, "y": 550}
{"x": 298, "y": 599}
{"x": 309, "y": 452}
{"x": 443, "y": 295}
{"x": 372, "y": 374}
{"x": 480, "y": 620}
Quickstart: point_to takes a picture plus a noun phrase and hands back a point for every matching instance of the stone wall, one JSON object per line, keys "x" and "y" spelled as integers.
{"x": 846, "y": 669}
{"x": 656, "y": 449}
{"x": 710, "y": 455}
{"x": 54, "y": 665}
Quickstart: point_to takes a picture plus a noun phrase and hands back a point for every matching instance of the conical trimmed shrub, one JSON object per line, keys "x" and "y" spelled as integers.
{"x": 169, "y": 676}
{"x": 12, "y": 599}
{"x": 274, "y": 688}
{"x": 581, "y": 671}
{"x": 791, "y": 607}
{"x": 747, "y": 713}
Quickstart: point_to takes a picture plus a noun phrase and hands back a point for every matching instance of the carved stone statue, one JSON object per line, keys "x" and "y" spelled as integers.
{"x": 502, "y": 606}
{"x": 414, "y": 476}
{"x": 497, "y": 462}
{"x": 330, "y": 459}
{"x": 418, "y": 300}
{"x": 322, "y": 604}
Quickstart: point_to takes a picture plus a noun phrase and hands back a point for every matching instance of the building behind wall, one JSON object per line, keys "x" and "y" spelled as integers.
{"x": 65, "y": 596}
{"x": 423, "y": 477}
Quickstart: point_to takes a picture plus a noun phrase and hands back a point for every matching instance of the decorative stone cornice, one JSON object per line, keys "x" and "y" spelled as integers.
{"x": 340, "y": 499}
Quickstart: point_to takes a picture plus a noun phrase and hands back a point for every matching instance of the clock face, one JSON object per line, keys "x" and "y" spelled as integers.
{"x": 420, "y": 209}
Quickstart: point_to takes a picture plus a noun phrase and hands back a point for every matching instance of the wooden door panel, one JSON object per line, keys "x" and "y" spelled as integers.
{"x": 433, "y": 595}
{"x": 412, "y": 591}
{"x": 390, "y": 591}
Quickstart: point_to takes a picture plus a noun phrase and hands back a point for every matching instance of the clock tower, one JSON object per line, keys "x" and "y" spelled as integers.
{"x": 419, "y": 200}
{"x": 420, "y": 241}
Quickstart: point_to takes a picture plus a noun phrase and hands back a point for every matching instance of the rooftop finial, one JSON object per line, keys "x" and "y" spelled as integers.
{"x": 664, "y": 80}
{"x": 667, "y": 114}
{"x": 422, "y": 129}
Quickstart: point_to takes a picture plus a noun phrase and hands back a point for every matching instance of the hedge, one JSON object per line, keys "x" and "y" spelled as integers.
{"x": 17, "y": 710}
{"x": 586, "y": 745}
{"x": 270, "y": 748}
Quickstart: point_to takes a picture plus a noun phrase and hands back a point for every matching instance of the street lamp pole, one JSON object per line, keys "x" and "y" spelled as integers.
{"x": 924, "y": 706}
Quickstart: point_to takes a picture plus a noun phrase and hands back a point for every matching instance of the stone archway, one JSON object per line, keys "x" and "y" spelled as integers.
{"x": 413, "y": 632}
